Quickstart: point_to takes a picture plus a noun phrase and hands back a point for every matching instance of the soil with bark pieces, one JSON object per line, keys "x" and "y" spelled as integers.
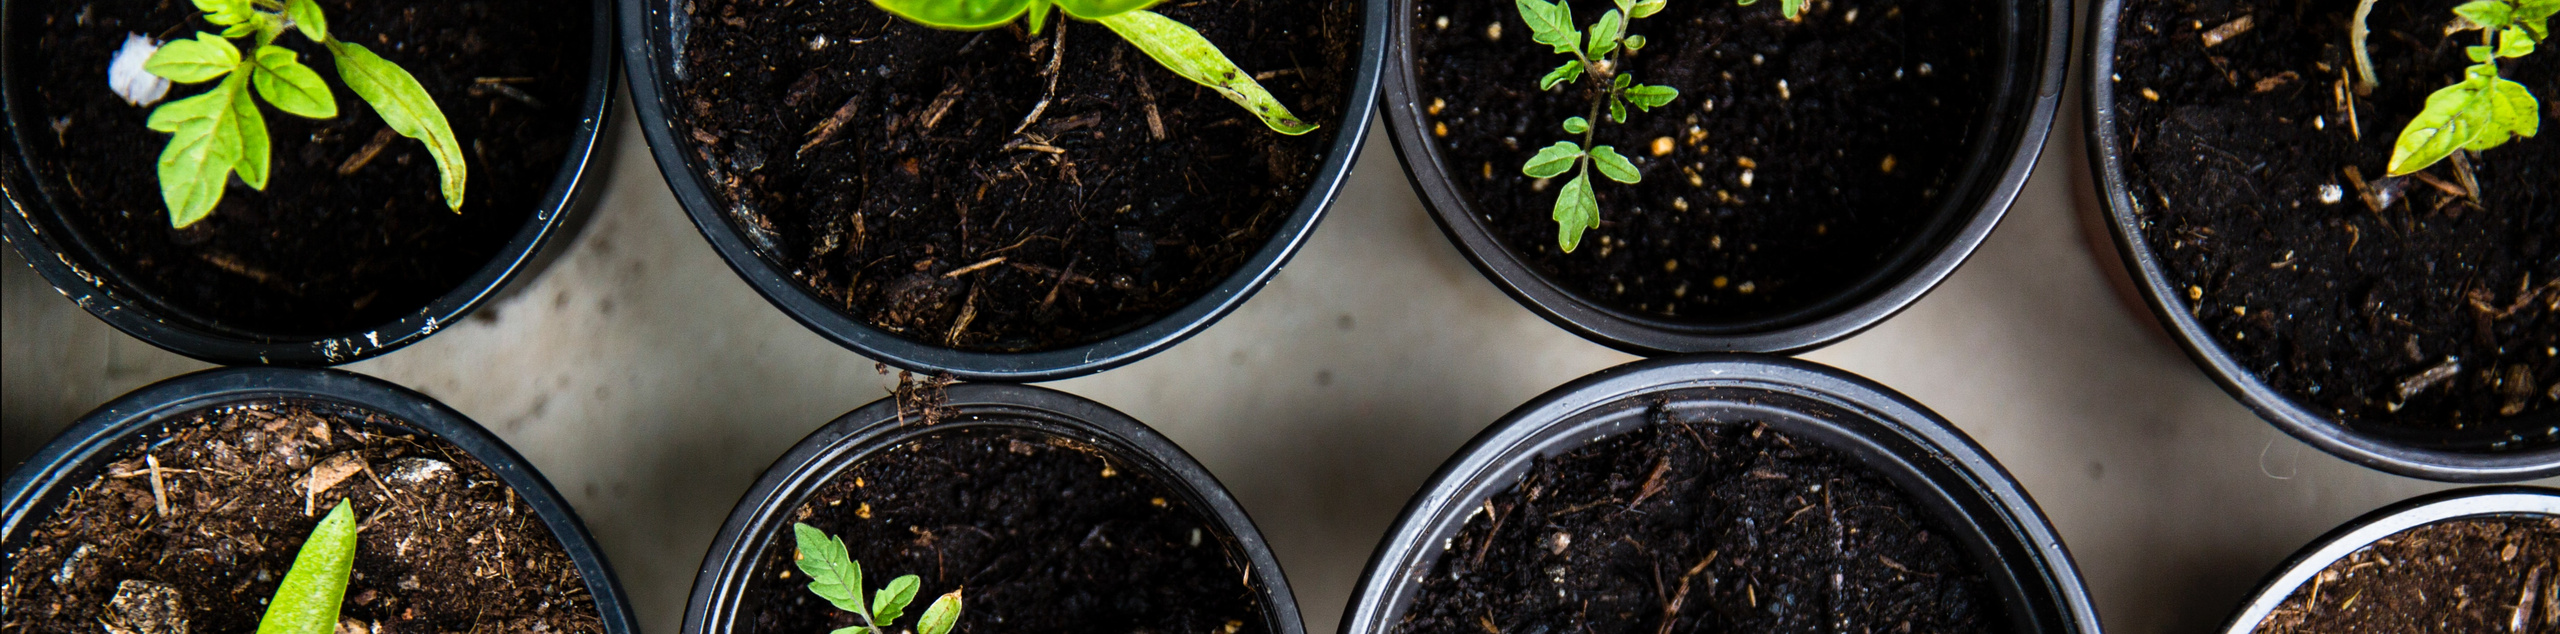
{"x": 949, "y": 188}
{"x": 1041, "y": 534}
{"x": 2433, "y": 318}
{"x": 324, "y": 249}
{"x": 194, "y": 528}
{"x": 2466, "y": 575}
{"x": 1799, "y": 158}
{"x": 1706, "y": 528}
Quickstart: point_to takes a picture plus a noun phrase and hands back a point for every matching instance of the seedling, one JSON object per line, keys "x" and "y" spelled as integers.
{"x": 1596, "y": 54}
{"x": 836, "y": 577}
{"x": 221, "y": 131}
{"x": 2483, "y": 110}
{"x": 307, "y": 602}
{"x": 1178, "y": 47}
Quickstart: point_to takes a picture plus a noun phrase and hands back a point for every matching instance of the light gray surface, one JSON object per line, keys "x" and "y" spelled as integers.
{"x": 652, "y": 386}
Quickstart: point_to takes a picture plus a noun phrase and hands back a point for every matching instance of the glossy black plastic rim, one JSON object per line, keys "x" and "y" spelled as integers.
{"x": 2394, "y": 453}
{"x": 86, "y": 276}
{"x": 2391, "y": 520}
{"x": 760, "y": 514}
{"x": 1903, "y": 440}
{"x": 80, "y": 452}
{"x": 651, "y": 36}
{"x": 2005, "y": 155}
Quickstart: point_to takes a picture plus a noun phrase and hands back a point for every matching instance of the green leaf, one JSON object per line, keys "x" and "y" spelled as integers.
{"x": 1577, "y": 125}
{"x": 1622, "y": 81}
{"x": 1795, "y": 7}
{"x": 281, "y": 78}
{"x": 1625, "y": 6}
{"x": 857, "y": 629}
{"x": 307, "y": 602}
{"x": 2514, "y": 42}
{"x": 1551, "y": 24}
{"x": 192, "y": 61}
{"x": 892, "y": 601}
{"x": 1617, "y": 109}
{"x": 306, "y": 16}
{"x": 1039, "y": 14}
{"x": 2486, "y": 14}
{"x": 204, "y": 146}
{"x": 2453, "y": 117}
{"x": 2512, "y": 108}
{"x": 227, "y": 12}
{"x": 2535, "y": 16}
{"x": 1746, "y": 2}
{"x": 1604, "y": 34}
{"x": 1614, "y": 166}
{"x": 833, "y": 575}
{"x": 1571, "y": 70}
{"x": 958, "y": 15}
{"x": 944, "y": 613}
{"x": 1099, "y": 9}
{"x": 1650, "y": 97}
{"x": 1186, "y": 53}
{"x": 1635, "y": 43}
{"x": 406, "y": 107}
{"x": 240, "y": 30}
{"x": 1646, "y": 8}
{"x": 1552, "y": 160}
{"x": 2478, "y": 54}
{"x": 251, "y": 161}
{"x": 1576, "y": 210}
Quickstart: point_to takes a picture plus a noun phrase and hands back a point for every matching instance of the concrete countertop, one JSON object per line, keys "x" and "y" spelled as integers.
{"x": 652, "y": 386}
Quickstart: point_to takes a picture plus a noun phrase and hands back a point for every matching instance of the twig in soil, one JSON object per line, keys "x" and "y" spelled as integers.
{"x": 1032, "y": 145}
{"x": 1489, "y": 532}
{"x": 2228, "y": 30}
{"x": 1155, "y": 123}
{"x": 968, "y": 313}
{"x": 973, "y": 268}
{"x": 1652, "y": 483}
{"x": 942, "y": 105}
{"x": 485, "y": 88}
{"x": 1581, "y": 508}
{"x": 1671, "y": 609}
{"x": 2421, "y": 381}
{"x": 2462, "y": 172}
{"x": 826, "y": 130}
{"x": 1896, "y": 565}
{"x": 2356, "y": 34}
{"x": 2524, "y": 606}
{"x": 159, "y": 490}
{"x": 1056, "y": 53}
{"x": 365, "y": 155}
{"x": 1062, "y": 276}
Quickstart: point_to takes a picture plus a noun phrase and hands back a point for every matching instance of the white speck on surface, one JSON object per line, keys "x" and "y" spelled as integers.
{"x": 2331, "y": 193}
{"x": 1783, "y": 93}
{"x": 818, "y": 43}
{"x": 1925, "y": 69}
{"x": 125, "y": 74}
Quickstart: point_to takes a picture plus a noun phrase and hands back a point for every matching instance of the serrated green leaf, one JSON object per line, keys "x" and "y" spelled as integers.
{"x": 961, "y": 15}
{"x": 833, "y": 574}
{"x": 2514, "y": 42}
{"x": 227, "y": 12}
{"x": 406, "y": 107}
{"x": 2513, "y": 108}
{"x": 193, "y": 61}
{"x": 938, "y": 618}
{"x": 251, "y": 126}
{"x": 1612, "y": 165}
{"x": 1551, "y": 24}
{"x": 1577, "y": 125}
{"x": 307, "y": 17}
{"x": 892, "y": 601}
{"x": 308, "y": 599}
{"x": 1604, "y": 34}
{"x": 1187, "y": 53}
{"x": 2487, "y": 14}
{"x": 1649, "y": 97}
{"x": 204, "y": 147}
{"x": 1576, "y": 210}
{"x": 2454, "y": 116}
{"x": 1552, "y": 160}
{"x": 2535, "y": 16}
{"x": 281, "y": 78}
{"x": 1646, "y": 8}
{"x": 1571, "y": 70}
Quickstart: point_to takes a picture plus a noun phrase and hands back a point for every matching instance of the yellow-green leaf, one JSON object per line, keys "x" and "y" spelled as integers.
{"x": 307, "y": 602}
{"x": 406, "y": 107}
{"x": 944, "y": 613}
{"x": 250, "y": 132}
{"x": 192, "y": 61}
{"x": 204, "y": 147}
{"x": 306, "y": 16}
{"x": 1099, "y": 9}
{"x": 1552, "y": 160}
{"x": 966, "y": 15}
{"x": 283, "y": 80}
{"x": 833, "y": 574}
{"x": 891, "y": 602}
{"x": 1611, "y": 164}
{"x": 1576, "y": 210}
{"x": 1187, "y": 53}
{"x": 2452, "y": 118}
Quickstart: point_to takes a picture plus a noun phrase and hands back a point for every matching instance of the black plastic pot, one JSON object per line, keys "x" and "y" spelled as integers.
{"x": 2391, "y": 520}
{"x": 1936, "y": 465}
{"x": 83, "y": 272}
{"x": 2476, "y": 455}
{"x": 2035, "y": 39}
{"x": 84, "y": 450}
{"x": 653, "y": 38}
{"x": 765, "y": 510}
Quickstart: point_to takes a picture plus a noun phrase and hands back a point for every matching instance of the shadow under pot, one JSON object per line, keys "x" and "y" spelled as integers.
{"x": 2398, "y": 322}
{"x": 326, "y": 240}
{"x": 1720, "y": 494}
{"x": 2472, "y": 560}
{"x": 1810, "y": 178}
{"x": 1044, "y": 512}
{"x": 181, "y": 507}
{"x": 1030, "y": 202}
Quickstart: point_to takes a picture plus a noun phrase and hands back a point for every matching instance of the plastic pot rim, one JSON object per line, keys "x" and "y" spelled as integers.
{"x": 89, "y": 278}
{"x": 80, "y": 452}
{"x": 2348, "y": 538}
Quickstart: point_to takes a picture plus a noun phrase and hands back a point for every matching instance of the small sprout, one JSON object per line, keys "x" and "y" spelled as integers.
{"x": 1595, "y": 61}
{"x": 1176, "y": 46}
{"x": 2483, "y": 110}
{"x": 308, "y": 600}
{"x": 836, "y": 577}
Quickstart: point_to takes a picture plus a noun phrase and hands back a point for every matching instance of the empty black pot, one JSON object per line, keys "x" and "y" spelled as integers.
{"x": 2391, "y": 520}
{"x": 85, "y": 449}
{"x": 1938, "y": 467}
{"x": 766, "y": 510}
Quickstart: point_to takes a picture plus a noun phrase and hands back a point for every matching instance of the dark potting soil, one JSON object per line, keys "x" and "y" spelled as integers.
{"x": 1040, "y": 533}
{"x": 2429, "y": 315}
{"x": 199, "y": 544}
{"x": 898, "y": 171}
{"x": 1799, "y": 157}
{"x": 323, "y": 250}
{"x": 2468, "y": 575}
{"x": 1702, "y": 528}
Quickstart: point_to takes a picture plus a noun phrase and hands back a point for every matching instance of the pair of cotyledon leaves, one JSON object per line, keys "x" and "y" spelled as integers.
{"x": 1178, "y": 47}
{"x": 836, "y": 577}
{"x": 221, "y": 131}
{"x": 2483, "y": 110}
